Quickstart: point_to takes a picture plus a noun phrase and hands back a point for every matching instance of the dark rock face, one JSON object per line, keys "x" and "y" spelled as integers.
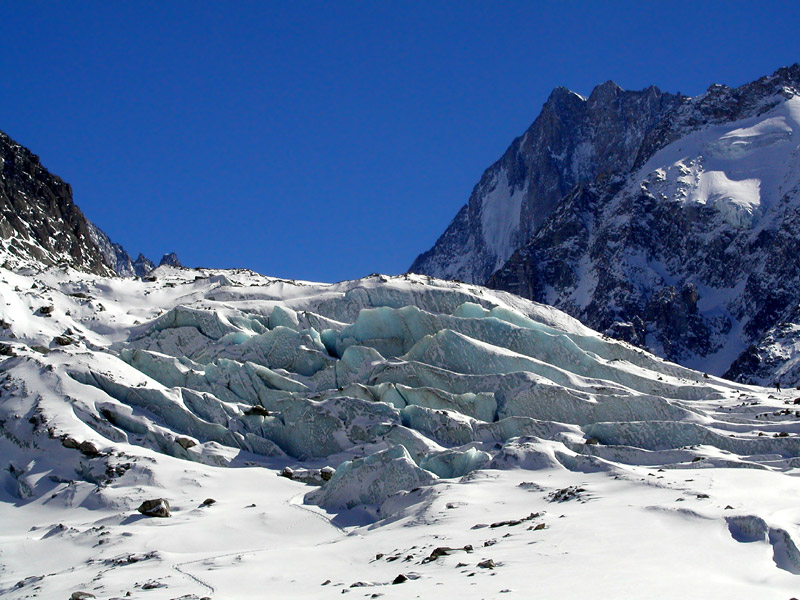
{"x": 571, "y": 142}
{"x": 773, "y": 358}
{"x": 38, "y": 219}
{"x": 171, "y": 260}
{"x": 40, "y": 223}
{"x": 588, "y": 261}
{"x": 620, "y": 245}
{"x": 117, "y": 258}
{"x": 639, "y": 266}
{"x": 143, "y": 265}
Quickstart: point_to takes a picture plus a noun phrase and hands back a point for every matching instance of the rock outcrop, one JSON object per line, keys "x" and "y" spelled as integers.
{"x": 40, "y": 225}
{"x": 39, "y": 221}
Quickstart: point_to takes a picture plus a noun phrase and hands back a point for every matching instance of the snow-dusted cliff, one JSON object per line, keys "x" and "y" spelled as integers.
{"x": 688, "y": 244}
{"x": 40, "y": 223}
{"x": 573, "y": 140}
{"x": 694, "y": 253}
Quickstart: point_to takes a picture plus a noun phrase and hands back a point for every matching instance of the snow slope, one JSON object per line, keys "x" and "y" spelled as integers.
{"x": 478, "y": 444}
{"x": 742, "y": 169}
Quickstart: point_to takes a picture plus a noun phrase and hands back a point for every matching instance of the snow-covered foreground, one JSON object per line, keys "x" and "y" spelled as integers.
{"x": 483, "y": 446}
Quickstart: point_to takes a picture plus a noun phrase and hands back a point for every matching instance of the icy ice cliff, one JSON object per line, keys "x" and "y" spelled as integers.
{"x": 439, "y": 375}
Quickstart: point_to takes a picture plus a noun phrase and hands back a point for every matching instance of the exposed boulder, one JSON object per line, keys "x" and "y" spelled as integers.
{"x": 158, "y": 507}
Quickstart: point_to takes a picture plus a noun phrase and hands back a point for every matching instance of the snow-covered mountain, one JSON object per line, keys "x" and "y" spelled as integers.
{"x": 572, "y": 141}
{"x": 689, "y": 246}
{"x": 428, "y": 432}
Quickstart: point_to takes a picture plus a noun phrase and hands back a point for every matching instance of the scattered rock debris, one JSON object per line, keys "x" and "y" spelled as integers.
{"x": 572, "y": 492}
{"x": 513, "y": 522}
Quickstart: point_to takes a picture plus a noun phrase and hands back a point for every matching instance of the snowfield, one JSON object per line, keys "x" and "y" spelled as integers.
{"x": 387, "y": 437}
{"x": 742, "y": 168}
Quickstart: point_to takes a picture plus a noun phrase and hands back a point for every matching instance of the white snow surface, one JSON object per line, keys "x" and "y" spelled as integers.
{"x": 454, "y": 416}
{"x": 500, "y": 214}
{"x": 741, "y": 168}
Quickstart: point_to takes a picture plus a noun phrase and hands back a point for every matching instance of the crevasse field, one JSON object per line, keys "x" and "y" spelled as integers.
{"x": 434, "y": 439}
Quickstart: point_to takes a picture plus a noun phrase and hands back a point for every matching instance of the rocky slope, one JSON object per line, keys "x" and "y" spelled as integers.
{"x": 688, "y": 247}
{"x": 41, "y": 225}
{"x": 38, "y": 219}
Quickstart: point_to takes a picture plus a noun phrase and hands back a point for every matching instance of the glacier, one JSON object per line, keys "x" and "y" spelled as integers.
{"x": 386, "y": 403}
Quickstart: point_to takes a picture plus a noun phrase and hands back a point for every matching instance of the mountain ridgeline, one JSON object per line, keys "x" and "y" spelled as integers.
{"x": 38, "y": 219}
{"x": 572, "y": 141}
{"x": 671, "y": 222}
{"x": 41, "y": 225}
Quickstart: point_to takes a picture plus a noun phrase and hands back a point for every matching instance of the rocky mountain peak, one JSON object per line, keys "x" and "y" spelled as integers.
{"x": 571, "y": 142}
{"x": 689, "y": 251}
{"x": 170, "y": 259}
{"x": 143, "y": 265}
{"x": 560, "y": 98}
{"x": 40, "y": 225}
{"x": 605, "y": 92}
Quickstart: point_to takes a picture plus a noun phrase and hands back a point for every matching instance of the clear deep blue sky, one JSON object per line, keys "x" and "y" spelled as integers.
{"x": 329, "y": 140}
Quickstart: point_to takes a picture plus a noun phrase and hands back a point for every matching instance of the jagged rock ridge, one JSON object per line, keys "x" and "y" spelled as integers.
{"x": 171, "y": 260}
{"x": 692, "y": 253}
{"x": 38, "y": 219}
{"x": 117, "y": 258}
{"x": 572, "y": 141}
{"x": 41, "y": 225}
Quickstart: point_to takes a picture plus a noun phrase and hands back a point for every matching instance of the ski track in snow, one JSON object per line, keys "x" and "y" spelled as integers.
{"x": 209, "y": 587}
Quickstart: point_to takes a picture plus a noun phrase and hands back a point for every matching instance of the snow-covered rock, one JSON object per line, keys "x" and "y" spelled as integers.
{"x": 370, "y": 481}
{"x": 39, "y": 222}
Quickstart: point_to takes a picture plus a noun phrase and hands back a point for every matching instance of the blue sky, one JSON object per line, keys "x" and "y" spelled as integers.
{"x": 329, "y": 140}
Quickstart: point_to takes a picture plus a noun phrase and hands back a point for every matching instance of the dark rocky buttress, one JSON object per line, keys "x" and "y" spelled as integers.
{"x": 676, "y": 276}
{"x": 38, "y": 219}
